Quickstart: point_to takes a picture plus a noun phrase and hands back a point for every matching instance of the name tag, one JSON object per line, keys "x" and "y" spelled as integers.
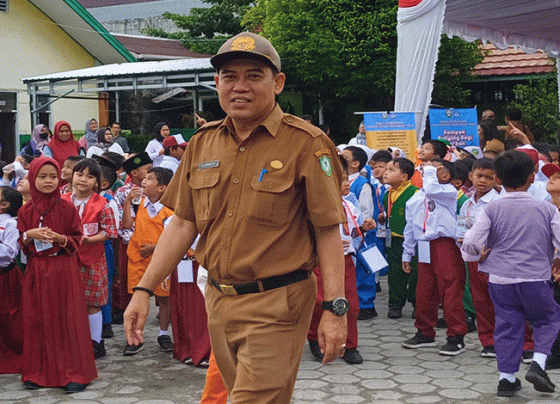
{"x": 464, "y": 224}
{"x": 91, "y": 229}
{"x": 42, "y": 245}
{"x": 209, "y": 164}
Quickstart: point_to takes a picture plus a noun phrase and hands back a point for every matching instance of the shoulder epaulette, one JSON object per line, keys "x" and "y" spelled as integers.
{"x": 299, "y": 123}
{"x": 209, "y": 125}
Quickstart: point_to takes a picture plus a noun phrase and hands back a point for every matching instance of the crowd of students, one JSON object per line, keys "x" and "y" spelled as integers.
{"x": 460, "y": 231}
{"x": 76, "y": 235}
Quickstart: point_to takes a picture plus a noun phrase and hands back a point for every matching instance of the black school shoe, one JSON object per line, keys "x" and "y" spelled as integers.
{"x": 366, "y": 314}
{"x": 107, "y": 331}
{"x": 394, "y": 312}
{"x": 72, "y": 388}
{"x": 419, "y": 341}
{"x": 315, "y": 349}
{"x": 488, "y": 352}
{"x": 352, "y": 357}
{"x": 453, "y": 346}
{"x": 130, "y": 350}
{"x": 165, "y": 343}
{"x": 99, "y": 349}
{"x": 507, "y": 388}
{"x": 538, "y": 377}
{"x": 29, "y": 385}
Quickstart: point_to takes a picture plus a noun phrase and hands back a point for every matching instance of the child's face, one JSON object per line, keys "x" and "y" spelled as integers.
{"x": 553, "y": 184}
{"x": 352, "y": 164}
{"x": 555, "y": 156}
{"x": 345, "y": 186}
{"x": 83, "y": 181}
{"x": 379, "y": 169}
{"x": 427, "y": 152}
{"x": 66, "y": 170}
{"x": 177, "y": 152}
{"x": 393, "y": 175}
{"x": 152, "y": 189}
{"x": 47, "y": 179}
{"x": 104, "y": 184}
{"x": 23, "y": 186}
{"x": 483, "y": 180}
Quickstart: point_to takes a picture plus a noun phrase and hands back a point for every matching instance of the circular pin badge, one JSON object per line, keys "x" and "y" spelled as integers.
{"x": 277, "y": 164}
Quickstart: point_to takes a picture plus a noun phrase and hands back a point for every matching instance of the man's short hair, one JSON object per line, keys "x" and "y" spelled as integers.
{"x": 358, "y": 154}
{"x": 514, "y": 114}
{"x": 448, "y": 165}
{"x": 163, "y": 175}
{"x": 440, "y": 148}
{"x": 406, "y": 166}
{"x": 483, "y": 164}
{"x": 512, "y": 144}
{"x": 115, "y": 123}
{"x": 513, "y": 168}
{"x": 382, "y": 156}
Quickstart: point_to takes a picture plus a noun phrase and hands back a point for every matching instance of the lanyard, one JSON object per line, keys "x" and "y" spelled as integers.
{"x": 426, "y": 216}
{"x": 389, "y": 203}
{"x": 347, "y": 208}
{"x": 378, "y": 193}
{"x": 45, "y": 212}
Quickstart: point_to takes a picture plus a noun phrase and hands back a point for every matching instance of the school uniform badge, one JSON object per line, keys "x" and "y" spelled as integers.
{"x": 325, "y": 161}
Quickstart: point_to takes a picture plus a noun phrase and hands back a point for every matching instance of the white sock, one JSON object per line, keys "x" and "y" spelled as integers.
{"x": 510, "y": 377}
{"x": 540, "y": 358}
{"x": 163, "y": 332}
{"x": 96, "y": 326}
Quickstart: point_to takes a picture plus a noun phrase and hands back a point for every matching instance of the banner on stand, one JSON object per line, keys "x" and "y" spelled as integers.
{"x": 391, "y": 129}
{"x": 459, "y": 126}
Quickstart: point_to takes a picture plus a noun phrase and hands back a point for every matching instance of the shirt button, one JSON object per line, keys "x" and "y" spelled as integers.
{"x": 230, "y": 213}
{"x": 223, "y": 246}
{"x": 236, "y": 181}
{"x": 242, "y": 149}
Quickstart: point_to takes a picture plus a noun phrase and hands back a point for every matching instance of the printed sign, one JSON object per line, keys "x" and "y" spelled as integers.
{"x": 459, "y": 126}
{"x": 391, "y": 129}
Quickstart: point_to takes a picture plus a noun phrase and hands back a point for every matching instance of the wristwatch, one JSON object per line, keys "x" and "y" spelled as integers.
{"x": 338, "y": 306}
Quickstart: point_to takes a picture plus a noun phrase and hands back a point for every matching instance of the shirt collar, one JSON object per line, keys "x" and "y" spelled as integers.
{"x": 518, "y": 195}
{"x": 488, "y": 196}
{"x": 352, "y": 177}
{"x": 271, "y": 123}
{"x": 157, "y": 205}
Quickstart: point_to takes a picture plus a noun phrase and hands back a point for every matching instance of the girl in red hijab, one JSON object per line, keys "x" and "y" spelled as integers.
{"x": 62, "y": 144}
{"x": 57, "y": 348}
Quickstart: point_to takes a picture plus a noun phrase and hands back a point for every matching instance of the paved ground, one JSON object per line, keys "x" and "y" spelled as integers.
{"x": 389, "y": 374}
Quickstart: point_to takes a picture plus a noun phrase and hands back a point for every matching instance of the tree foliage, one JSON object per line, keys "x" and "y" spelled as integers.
{"x": 539, "y": 102}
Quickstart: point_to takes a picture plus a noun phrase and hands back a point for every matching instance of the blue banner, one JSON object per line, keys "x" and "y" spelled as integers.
{"x": 459, "y": 126}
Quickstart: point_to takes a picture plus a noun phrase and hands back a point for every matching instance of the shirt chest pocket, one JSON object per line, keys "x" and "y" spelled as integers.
{"x": 205, "y": 193}
{"x": 273, "y": 200}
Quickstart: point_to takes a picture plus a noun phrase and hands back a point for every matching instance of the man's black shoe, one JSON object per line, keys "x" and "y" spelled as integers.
{"x": 538, "y": 377}
{"x": 315, "y": 349}
{"x": 394, "y": 312}
{"x": 366, "y": 314}
{"x": 71, "y": 388}
{"x": 507, "y": 388}
{"x": 352, "y": 357}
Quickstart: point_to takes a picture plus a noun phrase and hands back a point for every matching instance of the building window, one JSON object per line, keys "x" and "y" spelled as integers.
{"x": 4, "y": 5}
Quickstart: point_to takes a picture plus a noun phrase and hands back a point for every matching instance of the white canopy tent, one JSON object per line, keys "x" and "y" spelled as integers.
{"x": 528, "y": 24}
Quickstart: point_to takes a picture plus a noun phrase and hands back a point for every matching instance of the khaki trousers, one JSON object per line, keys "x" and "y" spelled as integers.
{"x": 258, "y": 340}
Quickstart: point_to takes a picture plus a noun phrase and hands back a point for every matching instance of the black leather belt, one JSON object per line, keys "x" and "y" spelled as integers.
{"x": 261, "y": 285}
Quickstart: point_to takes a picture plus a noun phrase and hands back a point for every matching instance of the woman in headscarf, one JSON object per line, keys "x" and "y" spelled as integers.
{"x": 155, "y": 146}
{"x": 104, "y": 144}
{"x": 62, "y": 144}
{"x": 57, "y": 348}
{"x": 90, "y": 137}
{"x": 39, "y": 139}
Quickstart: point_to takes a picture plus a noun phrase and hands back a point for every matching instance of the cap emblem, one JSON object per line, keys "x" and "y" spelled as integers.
{"x": 243, "y": 43}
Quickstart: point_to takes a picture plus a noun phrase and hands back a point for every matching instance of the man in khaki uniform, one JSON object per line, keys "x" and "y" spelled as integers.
{"x": 263, "y": 190}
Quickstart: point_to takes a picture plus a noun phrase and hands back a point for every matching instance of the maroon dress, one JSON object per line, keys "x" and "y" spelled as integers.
{"x": 11, "y": 332}
{"x": 57, "y": 347}
{"x": 189, "y": 320}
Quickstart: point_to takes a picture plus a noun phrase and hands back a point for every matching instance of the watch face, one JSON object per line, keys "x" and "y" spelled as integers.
{"x": 340, "y": 306}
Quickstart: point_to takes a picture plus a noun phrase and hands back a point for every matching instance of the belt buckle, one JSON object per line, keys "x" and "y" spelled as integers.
{"x": 228, "y": 290}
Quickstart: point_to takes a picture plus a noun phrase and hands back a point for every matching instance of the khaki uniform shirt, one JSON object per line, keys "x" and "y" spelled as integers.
{"x": 254, "y": 226}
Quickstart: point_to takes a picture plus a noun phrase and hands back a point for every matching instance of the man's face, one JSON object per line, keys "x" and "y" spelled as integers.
{"x": 362, "y": 129}
{"x": 247, "y": 89}
{"x": 116, "y": 129}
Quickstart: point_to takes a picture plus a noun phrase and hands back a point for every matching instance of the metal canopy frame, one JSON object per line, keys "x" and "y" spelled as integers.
{"x": 199, "y": 79}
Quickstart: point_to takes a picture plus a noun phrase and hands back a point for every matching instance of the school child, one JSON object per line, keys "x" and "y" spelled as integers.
{"x": 380, "y": 160}
{"x": 402, "y": 285}
{"x": 516, "y": 235}
{"x": 99, "y": 225}
{"x": 136, "y": 168}
{"x": 108, "y": 177}
{"x": 356, "y": 159}
{"x": 57, "y": 348}
{"x": 355, "y": 226}
{"x": 11, "y": 279}
{"x": 431, "y": 223}
{"x": 431, "y": 149}
{"x": 483, "y": 179}
{"x": 66, "y": 173}
{"x": 174, "y": 147}
{"x": 23, "y": 188}
{"x": 148, "y": 224}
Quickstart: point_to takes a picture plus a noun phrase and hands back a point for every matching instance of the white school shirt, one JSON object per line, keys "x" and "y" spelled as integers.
{"x": 365, "y": 198}
{"x": 9, "y": 235}
{"x": 473, "y": 208}
{"x": 430, "y": 213}
{"x": 351, "y": 210}
{"x": 169, "y": 162}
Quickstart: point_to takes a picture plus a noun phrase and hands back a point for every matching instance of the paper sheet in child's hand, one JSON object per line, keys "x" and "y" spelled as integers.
{"x": 185, "y": 271}
{"x": 424, "y": 252}
{"x": 464, "y": 224}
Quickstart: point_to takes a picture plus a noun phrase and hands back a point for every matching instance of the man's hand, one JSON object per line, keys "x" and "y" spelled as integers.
{"x": 406, "y": 267}
{"x": 331, "y": 335}
{"x": 200, "y": 121}
{"x": 135, "y": 317}
{"x": 518, "y": 135}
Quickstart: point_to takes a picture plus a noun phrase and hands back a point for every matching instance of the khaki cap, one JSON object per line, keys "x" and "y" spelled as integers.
{"x": 247, "y": 45}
